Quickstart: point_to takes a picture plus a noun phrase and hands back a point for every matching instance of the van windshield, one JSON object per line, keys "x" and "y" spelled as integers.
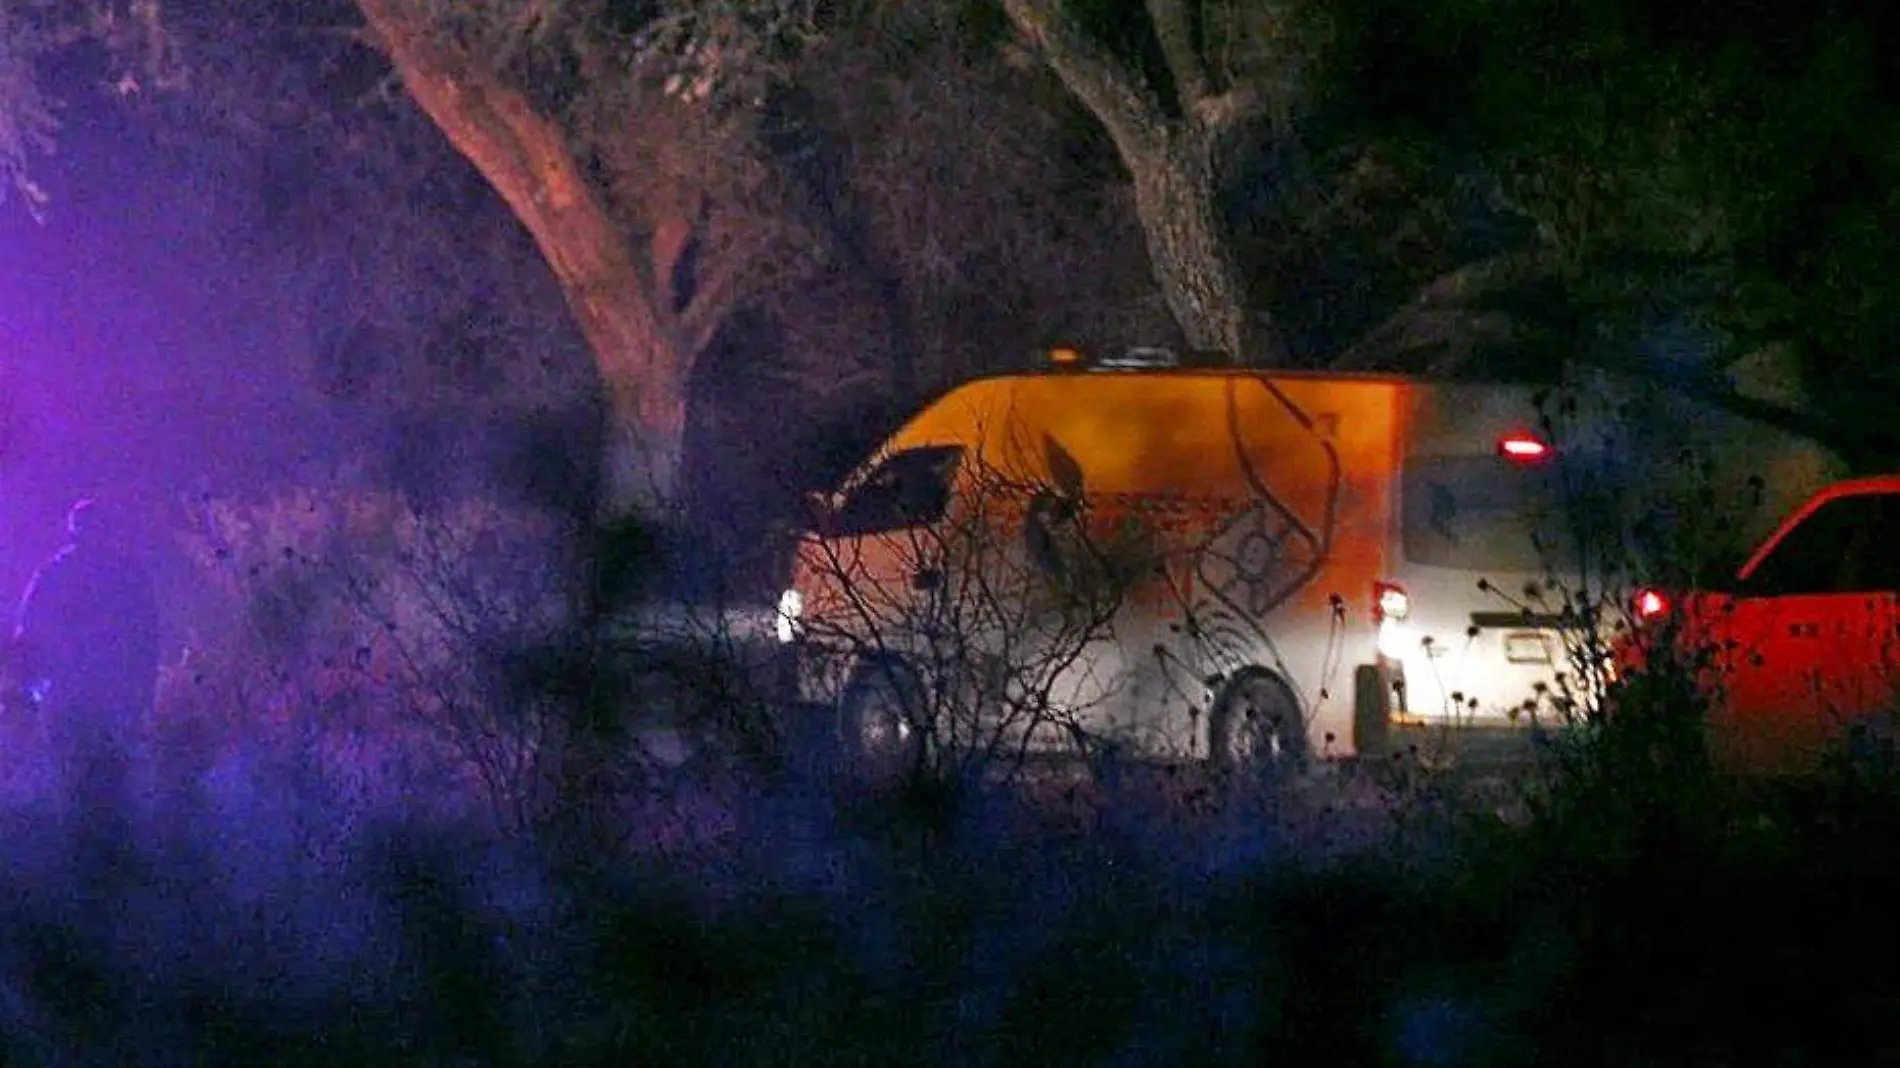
{"x": 910, "y": 488}
{"x": 1483, "y": 513}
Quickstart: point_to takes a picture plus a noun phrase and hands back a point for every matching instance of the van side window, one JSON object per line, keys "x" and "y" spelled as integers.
{"x": 909, "y": 489}
{"x": 1844, "y": 546}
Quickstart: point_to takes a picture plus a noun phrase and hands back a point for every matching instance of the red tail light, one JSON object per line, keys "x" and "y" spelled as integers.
{"x": 1389, "y": 601}
{"x": 1649, "y": 605}
{"x": 1524, "y": 448}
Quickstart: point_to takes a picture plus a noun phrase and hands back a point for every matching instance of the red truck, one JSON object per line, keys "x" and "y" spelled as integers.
{"x": 1799, "y": 653}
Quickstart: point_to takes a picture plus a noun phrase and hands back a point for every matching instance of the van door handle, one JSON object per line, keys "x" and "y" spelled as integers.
{"x": 928, "y": 578}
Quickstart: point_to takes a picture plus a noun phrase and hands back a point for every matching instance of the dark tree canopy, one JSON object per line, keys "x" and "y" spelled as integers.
{"x": 828, "y": 198}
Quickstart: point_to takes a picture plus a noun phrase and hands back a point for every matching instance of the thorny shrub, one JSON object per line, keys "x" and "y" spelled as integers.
{"x": 989, "y": 632}
{"x": 1209, "y": 942}
{"x": 386, "y": 649}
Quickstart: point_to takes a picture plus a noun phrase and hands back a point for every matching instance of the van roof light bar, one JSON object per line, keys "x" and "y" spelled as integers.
{"x": 1141, "y": 357}
{"x": 1132, "y": 358}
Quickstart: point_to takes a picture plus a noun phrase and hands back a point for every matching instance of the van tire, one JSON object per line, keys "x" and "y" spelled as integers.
{"x": 1371, "y": 711}
{"x": 879, "y": 740}
{"x": 1255, "y": 725}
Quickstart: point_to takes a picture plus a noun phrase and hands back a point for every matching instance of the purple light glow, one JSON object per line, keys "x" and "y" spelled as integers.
{"x": 143, "y": 350}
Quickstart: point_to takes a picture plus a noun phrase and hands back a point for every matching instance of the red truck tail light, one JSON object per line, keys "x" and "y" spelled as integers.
{"x": 1650, "y": 605}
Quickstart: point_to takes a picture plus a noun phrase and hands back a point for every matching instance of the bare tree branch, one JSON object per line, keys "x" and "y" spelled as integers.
{"x": 671, "y": 239}
{"x": 1173, "y": 162}
{"x": 1174, "y": 27}
{"x": 1225, "y": 112}
{"x": 1215, "y": 113}
{"x": 713, "y": 302}
{"x": 1119, "y": 97}
{"x": 1442, "y": 312}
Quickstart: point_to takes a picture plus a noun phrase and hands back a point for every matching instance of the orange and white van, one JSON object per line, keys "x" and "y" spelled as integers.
{"x": 1194, "y": 561}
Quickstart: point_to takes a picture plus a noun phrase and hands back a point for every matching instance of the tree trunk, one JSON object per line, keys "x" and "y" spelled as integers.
{"x": 1170, "y": 153}
{"x": 1193, "y": 261}
{"x": 643, "y": 363}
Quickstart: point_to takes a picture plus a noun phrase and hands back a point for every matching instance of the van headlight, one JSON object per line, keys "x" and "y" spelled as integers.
{"x": 788, "y": 619}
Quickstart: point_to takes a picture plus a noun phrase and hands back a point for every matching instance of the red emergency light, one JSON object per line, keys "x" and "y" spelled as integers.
{"x": 1523, "y": 448}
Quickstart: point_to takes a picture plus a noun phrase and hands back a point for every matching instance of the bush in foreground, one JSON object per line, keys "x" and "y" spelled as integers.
{"x": 281, "y": 904}
{"x": 1157, "y": 921}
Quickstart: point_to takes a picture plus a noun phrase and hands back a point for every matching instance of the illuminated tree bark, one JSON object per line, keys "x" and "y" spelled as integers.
{"x": 643, "y": 348}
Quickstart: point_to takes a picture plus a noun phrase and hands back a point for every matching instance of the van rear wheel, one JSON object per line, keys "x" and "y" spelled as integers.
{"x": 1255, "y": 725}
